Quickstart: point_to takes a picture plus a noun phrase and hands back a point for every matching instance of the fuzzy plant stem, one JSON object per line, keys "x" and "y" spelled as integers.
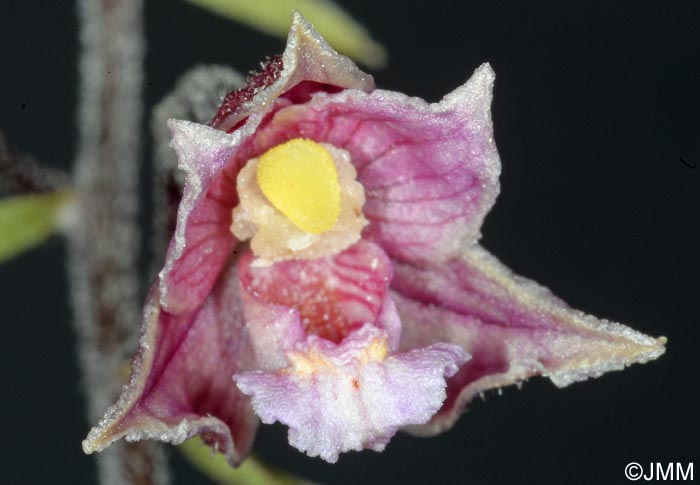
{"x": 104, "y": 247}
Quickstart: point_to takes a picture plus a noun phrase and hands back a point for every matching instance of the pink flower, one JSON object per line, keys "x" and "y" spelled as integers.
{"x": 363, "y": 303}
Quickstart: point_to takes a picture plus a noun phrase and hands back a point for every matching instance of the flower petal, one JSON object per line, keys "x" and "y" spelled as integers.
{"x": 330, "y": 296}
{"x": 181, "y": 379}
{"x": 202, "y": 241}
{"x": 512, "y": 327}
{"x": 430, "y": 171}
{"x": 337, "y": 398}
{"x": 308, "y": 57}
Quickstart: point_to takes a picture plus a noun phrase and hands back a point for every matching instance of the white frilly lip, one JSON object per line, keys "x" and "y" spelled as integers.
{"x": 353, "y": 395}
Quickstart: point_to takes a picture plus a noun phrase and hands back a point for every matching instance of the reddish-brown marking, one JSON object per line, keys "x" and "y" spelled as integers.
{"x": 256, "y": 81}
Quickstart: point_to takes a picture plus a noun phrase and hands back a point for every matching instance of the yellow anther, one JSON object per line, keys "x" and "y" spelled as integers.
{"x": 300, "y": 179}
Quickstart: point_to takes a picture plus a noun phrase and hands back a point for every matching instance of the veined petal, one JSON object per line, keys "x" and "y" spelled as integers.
{"x": 512, "y": 327}
{"x": 330, "y": 297}
{"x": 202, "y": 241}
{"x": 351, "y": 396}
{"x": 430, "y": 171}
{"x": 181, "y": 378}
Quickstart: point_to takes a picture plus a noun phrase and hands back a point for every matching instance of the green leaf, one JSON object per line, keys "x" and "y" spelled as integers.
{"x": 274, "y": 16}
{"x": 215, "y": 466}
{"x": 27, "y": 220}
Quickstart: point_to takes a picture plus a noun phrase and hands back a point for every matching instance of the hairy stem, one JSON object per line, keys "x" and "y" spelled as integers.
{"x": 103, "y": 250}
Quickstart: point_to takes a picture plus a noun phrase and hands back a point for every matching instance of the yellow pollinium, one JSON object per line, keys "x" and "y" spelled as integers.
{"x": 299, "y": 178}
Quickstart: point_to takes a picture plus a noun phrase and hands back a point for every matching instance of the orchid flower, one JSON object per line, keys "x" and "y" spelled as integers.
{"x": 325, "y": 271}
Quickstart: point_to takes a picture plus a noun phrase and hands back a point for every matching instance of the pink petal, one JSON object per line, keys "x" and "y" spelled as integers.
{"x": 341, "y": 399}
{"x": 512, "y": 327}
{"x": 330, "y": 296}
{"x": 202, "y": 241}
{"x": 181, "y": 379}
{"x": 430, "y": 171}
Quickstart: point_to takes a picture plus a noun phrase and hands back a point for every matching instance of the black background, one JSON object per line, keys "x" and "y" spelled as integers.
{"x": 597, "y": 119}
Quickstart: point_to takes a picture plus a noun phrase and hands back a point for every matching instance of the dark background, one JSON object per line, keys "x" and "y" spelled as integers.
{"x": 597, "y": 119}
